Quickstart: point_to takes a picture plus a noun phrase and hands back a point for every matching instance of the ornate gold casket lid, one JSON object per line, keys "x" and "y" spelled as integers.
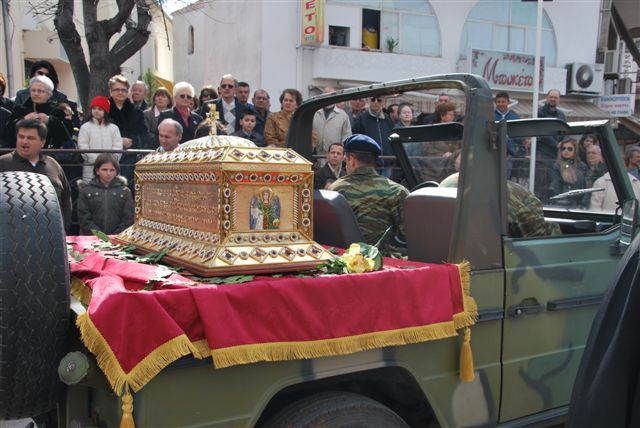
{"x": 220, "y": 205}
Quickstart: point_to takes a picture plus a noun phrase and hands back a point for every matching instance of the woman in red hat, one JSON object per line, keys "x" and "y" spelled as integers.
{"x": 98, "y": 134}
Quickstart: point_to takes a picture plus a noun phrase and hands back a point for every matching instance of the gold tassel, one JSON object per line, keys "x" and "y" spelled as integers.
{"x": 466, "y": 358}
{"x": 127, "y": 410}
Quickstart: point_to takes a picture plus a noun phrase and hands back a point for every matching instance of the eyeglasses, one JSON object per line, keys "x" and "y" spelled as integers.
{"x": 376, "y": 100}
{"x": 225, "y": 86}
{"x": 38, "y": 91}
{"x": 119, "y": 90}
{"x": 567, "y": 149}
{"x": 183, "y": 96}
{"x": 260, "y": 98}
{"x": 43, "y": 73}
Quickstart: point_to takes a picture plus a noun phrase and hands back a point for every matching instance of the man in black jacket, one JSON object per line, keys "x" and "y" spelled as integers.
{"x": 228, "y": 106}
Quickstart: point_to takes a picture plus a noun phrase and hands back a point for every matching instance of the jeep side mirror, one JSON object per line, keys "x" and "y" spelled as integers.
{"x": 628, "y": 225}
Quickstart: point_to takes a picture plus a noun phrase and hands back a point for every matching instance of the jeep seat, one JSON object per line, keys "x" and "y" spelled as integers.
{"x": 334, "y": 223}
{"x": 428, "y": 221}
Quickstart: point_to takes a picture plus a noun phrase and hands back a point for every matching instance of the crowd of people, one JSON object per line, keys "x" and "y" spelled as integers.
{"x": 348, "y": 140}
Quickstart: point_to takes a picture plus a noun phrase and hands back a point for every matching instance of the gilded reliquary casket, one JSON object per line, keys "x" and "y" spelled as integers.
{"x": 220, "y": 205}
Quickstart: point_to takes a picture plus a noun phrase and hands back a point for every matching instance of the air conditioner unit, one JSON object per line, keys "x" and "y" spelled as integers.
{"x": 585, "y": 78}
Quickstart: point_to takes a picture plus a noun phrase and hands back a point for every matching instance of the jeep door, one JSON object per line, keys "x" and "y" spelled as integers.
{"x": 554, "y": 283}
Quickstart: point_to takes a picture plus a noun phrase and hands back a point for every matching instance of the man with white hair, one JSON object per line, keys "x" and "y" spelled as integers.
{"x": 138, "y": 95}
{"x": 183, "y": 94}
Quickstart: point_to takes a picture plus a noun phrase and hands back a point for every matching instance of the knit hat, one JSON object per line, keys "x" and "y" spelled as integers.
{"x": 102, "y": 102}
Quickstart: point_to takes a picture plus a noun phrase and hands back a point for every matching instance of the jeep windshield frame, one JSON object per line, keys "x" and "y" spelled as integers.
{"x": 477, "y": 222}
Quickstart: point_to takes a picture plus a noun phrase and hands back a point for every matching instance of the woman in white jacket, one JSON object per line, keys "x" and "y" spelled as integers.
{"x": 98, "y": 134}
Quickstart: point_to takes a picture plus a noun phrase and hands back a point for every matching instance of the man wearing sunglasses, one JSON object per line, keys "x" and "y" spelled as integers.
{"x": 228, "y": 105}
{"x": 375, "y": 123}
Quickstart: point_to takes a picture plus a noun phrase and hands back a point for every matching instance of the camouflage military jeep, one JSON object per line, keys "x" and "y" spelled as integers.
{"x": 537, "y": 295}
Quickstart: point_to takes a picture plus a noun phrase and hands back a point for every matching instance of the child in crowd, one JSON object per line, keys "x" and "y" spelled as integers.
{"x": 105, "y": 204}
{"x": 247, "y": 123}
{"x": 98, "y": 134}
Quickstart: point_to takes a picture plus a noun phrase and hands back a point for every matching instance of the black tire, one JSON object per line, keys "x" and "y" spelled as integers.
{"x": 336, "y": 410}
{"x": 34, "y": 295}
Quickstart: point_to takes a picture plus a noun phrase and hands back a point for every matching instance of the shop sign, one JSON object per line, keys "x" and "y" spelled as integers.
{"x": 506, "y": 70}
{"x": 622, "y": 105}
{"x": 312, "y": 19}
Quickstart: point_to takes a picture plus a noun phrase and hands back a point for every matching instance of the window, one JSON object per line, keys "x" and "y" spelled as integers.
{"x": 338, "y": 36}
{"x": 190, "y": 42}
{"x": 411, "y": 23}
{"x": 510, "y": 28}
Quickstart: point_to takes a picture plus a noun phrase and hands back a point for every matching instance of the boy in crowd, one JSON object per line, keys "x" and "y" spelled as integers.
{"x": 247, "y": 123}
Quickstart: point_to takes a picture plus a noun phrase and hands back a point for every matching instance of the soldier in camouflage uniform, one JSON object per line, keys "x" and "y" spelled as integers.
{"x": 525, "y": 214}
{"x": 376, "y": 201}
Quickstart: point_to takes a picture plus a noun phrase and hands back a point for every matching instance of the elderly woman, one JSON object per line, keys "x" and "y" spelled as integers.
{"x": 277, "y": 126}
{"x": 162, "y": 100}
{"x": 40, "y": 106}
{"x": 183, "y": 94}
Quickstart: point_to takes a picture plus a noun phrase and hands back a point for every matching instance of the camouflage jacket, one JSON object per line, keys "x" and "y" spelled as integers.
{"x": 525, "y": 214}
{"x": 376, "y": 201}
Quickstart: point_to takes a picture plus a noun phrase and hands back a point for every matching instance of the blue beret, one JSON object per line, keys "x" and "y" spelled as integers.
{"x": 362, "y": 143}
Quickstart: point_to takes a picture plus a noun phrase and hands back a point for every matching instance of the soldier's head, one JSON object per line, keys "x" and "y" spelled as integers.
{"x": 361, "y": 150}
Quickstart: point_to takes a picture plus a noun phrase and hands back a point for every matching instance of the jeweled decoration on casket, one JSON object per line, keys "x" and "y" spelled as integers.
{"x": 221, "y": 205}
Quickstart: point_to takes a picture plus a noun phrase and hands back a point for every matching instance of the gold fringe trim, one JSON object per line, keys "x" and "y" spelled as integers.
{"x": 470, "y": 314}
{"x": 466, "y": 358}
{"x": 281, "y": 351}
{"x": 145, "y": 370}
{"x": 80, "y": 291}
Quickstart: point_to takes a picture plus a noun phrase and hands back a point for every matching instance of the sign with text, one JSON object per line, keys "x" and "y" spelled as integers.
{"x": 312, "y": 19}
{"x": 506, "y": 70}
{"x": 622, "y": 105}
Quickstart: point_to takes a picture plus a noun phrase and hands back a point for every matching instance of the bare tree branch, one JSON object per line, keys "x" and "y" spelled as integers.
{"x": 125, "y": 7}
{"x": 71, "y": 41}
{"x": 136, "y": 35}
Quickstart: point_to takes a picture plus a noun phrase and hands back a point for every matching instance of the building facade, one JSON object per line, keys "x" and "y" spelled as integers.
{"x": 31, "y": 36}
{"x": 375, "y": 40}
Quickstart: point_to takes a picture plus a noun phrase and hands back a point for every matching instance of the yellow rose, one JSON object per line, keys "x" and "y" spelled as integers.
{"x": 357, "y": 263}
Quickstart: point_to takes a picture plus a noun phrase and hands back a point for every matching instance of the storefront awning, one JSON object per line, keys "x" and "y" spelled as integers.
{"x": 575, "y": 110}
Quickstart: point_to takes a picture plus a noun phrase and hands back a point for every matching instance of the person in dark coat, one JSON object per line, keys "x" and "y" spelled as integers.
{"x": 129, "y": 120}
{"x": 332, "y": 170}
{"x": 606, "y": 392}
{"x": 45, "y": 68}
{"x": 40, "y": 106}
{"x": 183, "y": 94}
{"x": 105, "y": 203}
{"x": 228, "y": 106}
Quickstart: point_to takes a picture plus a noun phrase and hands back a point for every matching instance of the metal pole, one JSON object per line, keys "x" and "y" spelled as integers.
{"x": 536, "y": 87}
{"x": 7, "y": 47}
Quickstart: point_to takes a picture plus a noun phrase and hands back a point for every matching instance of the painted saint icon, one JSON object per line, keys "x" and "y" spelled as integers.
{"x": 264, "y": 213}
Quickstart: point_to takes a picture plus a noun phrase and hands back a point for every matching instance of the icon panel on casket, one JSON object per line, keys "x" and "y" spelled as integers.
{"x": 220, "y": 205}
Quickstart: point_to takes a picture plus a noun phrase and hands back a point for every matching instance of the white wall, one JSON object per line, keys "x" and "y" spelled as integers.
{"x": 281, "y": 66}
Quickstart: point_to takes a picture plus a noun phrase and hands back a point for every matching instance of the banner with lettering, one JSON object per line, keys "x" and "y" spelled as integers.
{"x": 312, "y": 19}
{"x": 506, "y": 70}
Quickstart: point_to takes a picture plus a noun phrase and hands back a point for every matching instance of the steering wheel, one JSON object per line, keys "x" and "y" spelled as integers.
{"x": 429, "y": 183}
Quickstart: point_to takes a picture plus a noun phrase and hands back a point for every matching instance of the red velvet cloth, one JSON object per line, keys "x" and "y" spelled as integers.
{"x": 134, "y": 322}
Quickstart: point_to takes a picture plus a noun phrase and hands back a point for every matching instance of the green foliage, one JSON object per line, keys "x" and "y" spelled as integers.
{"x": 392, "y": 43}
{"x": 150, "y": 80}
{"x": 103, "y": 236}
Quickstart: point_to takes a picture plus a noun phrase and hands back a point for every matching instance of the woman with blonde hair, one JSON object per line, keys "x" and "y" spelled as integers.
{"x": 568, "y": 173}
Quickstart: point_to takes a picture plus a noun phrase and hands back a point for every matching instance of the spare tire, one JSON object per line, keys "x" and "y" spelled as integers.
{"x": 34, "y": 295}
